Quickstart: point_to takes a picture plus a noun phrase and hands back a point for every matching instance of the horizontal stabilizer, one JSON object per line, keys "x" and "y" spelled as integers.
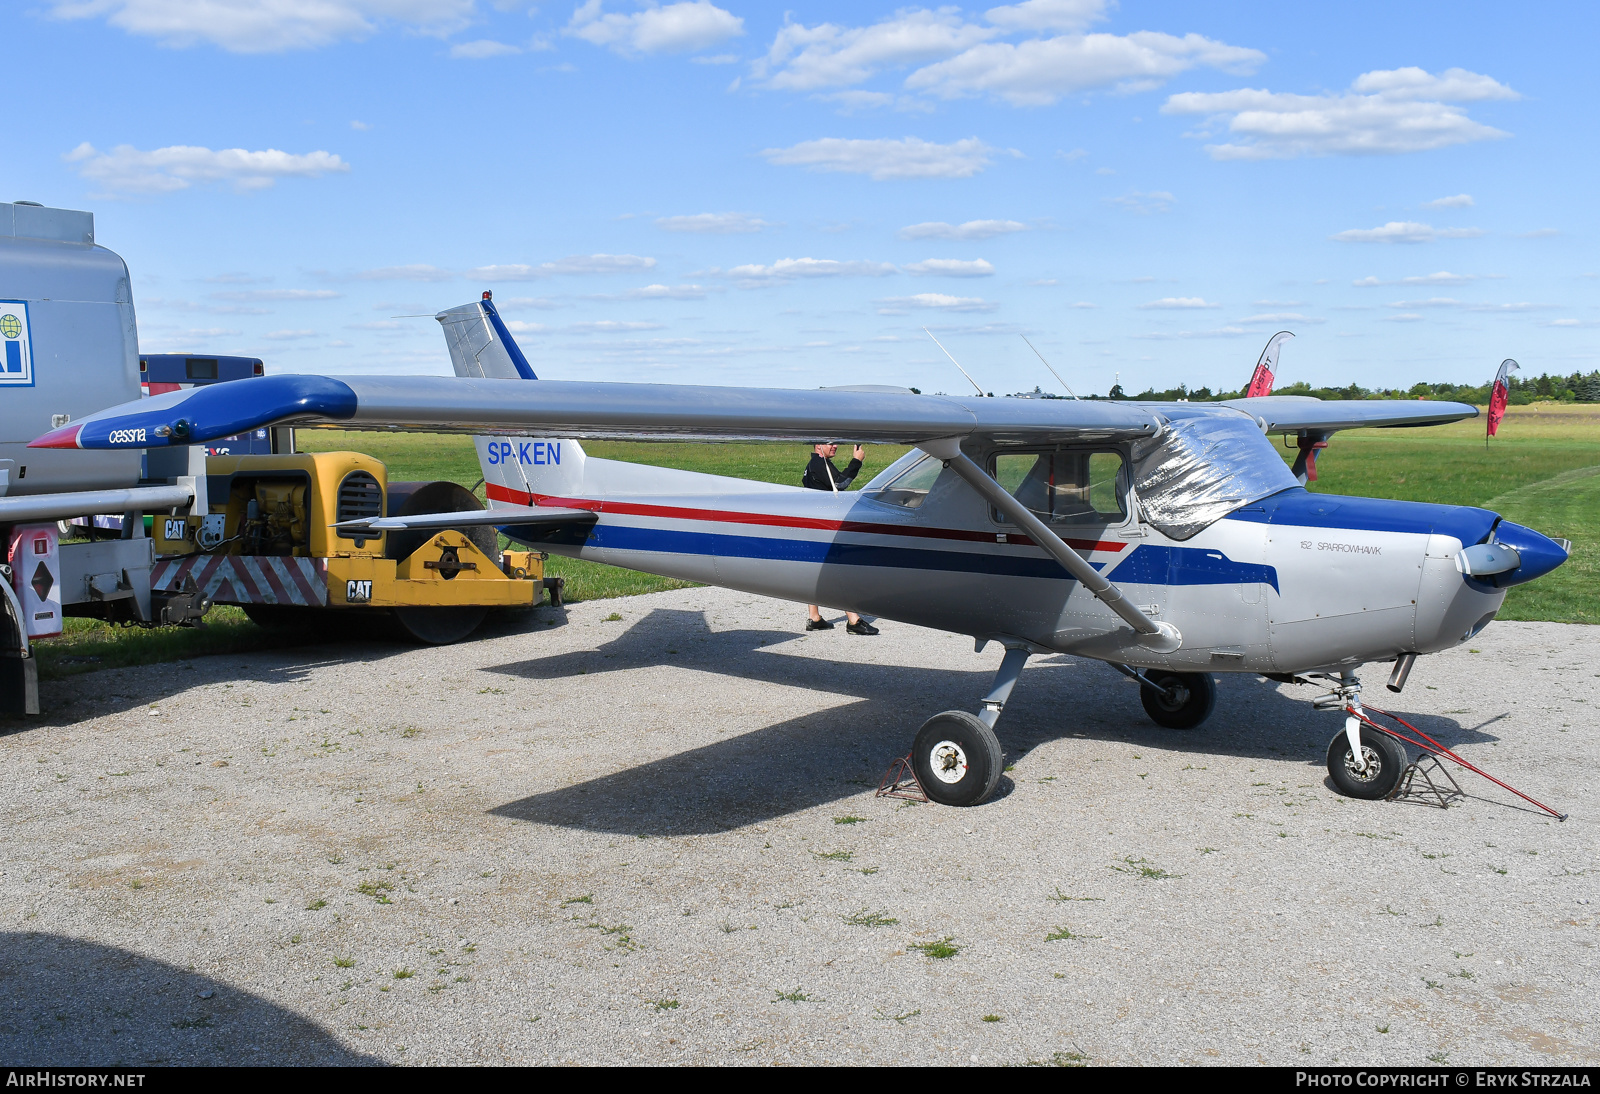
{"x": 520, "y": 516}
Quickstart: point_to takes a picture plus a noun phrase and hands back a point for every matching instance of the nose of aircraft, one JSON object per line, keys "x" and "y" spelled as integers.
{"x": 1539, "y": 554}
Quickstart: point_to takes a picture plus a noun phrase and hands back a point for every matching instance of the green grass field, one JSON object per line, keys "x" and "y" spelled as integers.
{"x": 1543, "y": 471}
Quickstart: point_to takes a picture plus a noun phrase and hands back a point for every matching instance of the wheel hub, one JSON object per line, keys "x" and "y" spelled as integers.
{"x": 1370, "y": 765}
{"x": 948, "y": 761}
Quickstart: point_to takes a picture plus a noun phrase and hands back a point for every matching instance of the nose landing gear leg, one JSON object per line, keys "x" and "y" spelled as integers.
{"x": 956, "y": 756}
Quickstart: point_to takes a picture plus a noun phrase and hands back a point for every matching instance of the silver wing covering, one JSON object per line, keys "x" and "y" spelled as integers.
{"x": 1203, "y": 467}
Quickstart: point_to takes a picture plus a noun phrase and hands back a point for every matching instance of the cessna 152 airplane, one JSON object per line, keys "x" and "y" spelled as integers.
{"x": 1167, "y": 539}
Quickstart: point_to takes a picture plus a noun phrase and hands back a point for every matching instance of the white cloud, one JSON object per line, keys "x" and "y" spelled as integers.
{"x": 254, "y": 26}
{"x": 524, "y": 303}
{"x": 127, "y": 170}
{"x": 882, "y": 159}
{"x": 1217, "y": 332}
{"x": 1384, "y": 112}
{"x": 666, "y": 292}
{"x": 692, "y": 24}
{"x": 1083, "y": 304}
{"x": 289, "y": 335}
{"x": 360, "y": 126}
{"x": 899, "y": 305}
{"x": 1048, "y": 14}
{"x": 1451, "y": 302}
{"x": 963, "y": 58}
{"x": 572, "y": 264}
{"x": 611, "y": 326}
{"x": 1540, "y": 233}
{"x": 855, "y": 100}
{"x": 1457, "y": 201}
{"x": 1038, "y": 72}
{"x": 1409, "y": 317}
{"x": 1157, "y": 201}
{"x": 971, "y": 230}
{"x": 148, "y": 303}
{"x": 787, "y": 269}
{"x": 482, "y": 49}
{"x": 950, "y": 267}
{"x": 1179, "y": 302}
{"x": 419, "y": 271}
{"x": 713, "y": 223}
{"x": 1443, "y": 277}
{"x": 1404, "y": 231}
{"x": 716, "y": 59}
{"x": 812, "y": 58}
{"x": 1281, "y": 317}
{"x": 279, "y": 294}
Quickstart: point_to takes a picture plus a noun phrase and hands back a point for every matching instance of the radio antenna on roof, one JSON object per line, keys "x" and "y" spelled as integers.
{"x": 953, "y": 361}
{"x": 1051, "y": 367}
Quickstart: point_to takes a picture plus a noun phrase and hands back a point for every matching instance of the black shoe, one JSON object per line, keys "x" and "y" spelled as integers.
{"x": 862, "y": 627}
{"x": 818, "y": 625}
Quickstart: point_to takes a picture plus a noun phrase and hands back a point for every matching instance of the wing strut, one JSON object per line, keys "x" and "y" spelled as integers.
{"x": 1160, "y": 637}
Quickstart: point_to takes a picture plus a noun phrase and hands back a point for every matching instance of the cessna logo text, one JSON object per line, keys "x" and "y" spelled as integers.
{"x": 539, "y": 453}
{"x": 357, "y": 590}
{"x": 127, "y": 436}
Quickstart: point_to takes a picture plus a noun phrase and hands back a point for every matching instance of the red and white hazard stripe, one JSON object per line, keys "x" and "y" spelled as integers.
{"x": 248, "y": 579}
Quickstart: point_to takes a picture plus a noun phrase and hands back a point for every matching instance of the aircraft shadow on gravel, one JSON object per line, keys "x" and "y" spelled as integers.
{"x": 833, "y": 754}
{"x": 66, "y": 1002}
{"x": 67, "y": 700}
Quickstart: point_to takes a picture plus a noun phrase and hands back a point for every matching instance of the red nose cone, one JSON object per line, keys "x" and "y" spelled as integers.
{"x": 64, "y": 437}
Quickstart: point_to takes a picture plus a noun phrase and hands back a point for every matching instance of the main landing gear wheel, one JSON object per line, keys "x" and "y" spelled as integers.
{"x": 1385, "y": 761}
{"x": 1188, "y": 702}
{"x": 957, "y": 758}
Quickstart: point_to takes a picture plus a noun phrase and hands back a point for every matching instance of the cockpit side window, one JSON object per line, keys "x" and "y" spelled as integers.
{"x": 1066, "y": 486}
{"x": 910, "y": 487}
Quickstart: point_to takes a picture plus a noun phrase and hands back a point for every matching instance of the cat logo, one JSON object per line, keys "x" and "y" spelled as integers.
{"x": 175, "y": 529}
{"x": 357, "y": 592}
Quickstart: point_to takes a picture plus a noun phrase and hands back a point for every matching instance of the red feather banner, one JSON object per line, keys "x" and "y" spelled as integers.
{"x": 1499, "y": 396}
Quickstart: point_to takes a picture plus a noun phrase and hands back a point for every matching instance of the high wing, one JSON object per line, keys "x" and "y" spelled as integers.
{"x": 449, "y": 404}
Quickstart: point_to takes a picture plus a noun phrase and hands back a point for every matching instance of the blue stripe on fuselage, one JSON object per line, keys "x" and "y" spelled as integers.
{"x": 1146, "y": 564}
{"x": 1302, "y": 509}
{"x": 1151, "y": 564}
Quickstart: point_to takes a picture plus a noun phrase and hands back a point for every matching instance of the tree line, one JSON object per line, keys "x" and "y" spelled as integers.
{"x": 1578, "y": 388}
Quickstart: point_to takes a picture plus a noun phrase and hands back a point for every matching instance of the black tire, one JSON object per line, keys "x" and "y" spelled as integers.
{"x": 1386, "y": 762}
{"x": 957, "y": 758}
{"x": 281, "y": 617}
{"x": 1194, "y": 696}
{"x": 440, "y": 626}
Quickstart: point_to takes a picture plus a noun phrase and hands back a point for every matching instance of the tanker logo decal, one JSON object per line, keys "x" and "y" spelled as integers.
{"x": 16, "y": 350}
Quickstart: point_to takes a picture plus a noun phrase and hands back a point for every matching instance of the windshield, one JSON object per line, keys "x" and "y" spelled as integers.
{"x": 1199, "y": 469}
{"x": 908, "y": 487}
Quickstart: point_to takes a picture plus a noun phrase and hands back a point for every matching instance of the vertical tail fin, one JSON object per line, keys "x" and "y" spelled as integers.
{"x": 1266, "y": 368}
{"x": 480, "y": 344}
{"x": 517, "y": 469}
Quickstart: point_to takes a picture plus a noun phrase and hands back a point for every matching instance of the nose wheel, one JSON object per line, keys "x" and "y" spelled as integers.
{"x": 1374, "y": 777}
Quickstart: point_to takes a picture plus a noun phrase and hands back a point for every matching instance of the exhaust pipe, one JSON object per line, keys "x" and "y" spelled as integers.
{"x": 1402, "y": 669}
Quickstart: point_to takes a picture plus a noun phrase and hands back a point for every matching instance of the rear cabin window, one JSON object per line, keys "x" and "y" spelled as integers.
{"x": 1065, "y": 486}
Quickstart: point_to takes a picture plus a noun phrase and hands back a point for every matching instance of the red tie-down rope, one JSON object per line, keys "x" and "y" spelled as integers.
{"x": 1438, "y": 749}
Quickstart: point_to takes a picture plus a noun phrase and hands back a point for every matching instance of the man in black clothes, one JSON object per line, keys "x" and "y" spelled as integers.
{"x": 822, "y": 475}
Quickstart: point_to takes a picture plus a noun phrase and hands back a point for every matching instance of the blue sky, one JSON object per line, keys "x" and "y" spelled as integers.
{"x": 698, "y": 192}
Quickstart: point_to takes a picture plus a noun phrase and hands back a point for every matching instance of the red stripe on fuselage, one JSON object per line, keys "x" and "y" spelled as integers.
{"x": 634, "y": 509}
